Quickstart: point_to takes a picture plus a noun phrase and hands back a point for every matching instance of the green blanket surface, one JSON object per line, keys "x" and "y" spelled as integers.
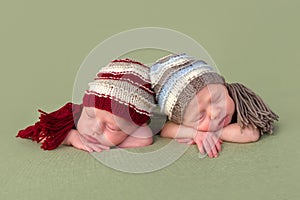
{"x": 43, "y": 46}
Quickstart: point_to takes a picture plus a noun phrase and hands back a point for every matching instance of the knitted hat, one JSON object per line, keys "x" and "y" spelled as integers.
{"x": 176, "y": 79}
{"x": 122, "y": 88}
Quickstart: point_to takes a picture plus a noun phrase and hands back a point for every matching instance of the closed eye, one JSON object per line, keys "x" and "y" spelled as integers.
{"x": 112, "y": 129}
{"x": 201, "y": 116}
{"x": 198, "y": 117}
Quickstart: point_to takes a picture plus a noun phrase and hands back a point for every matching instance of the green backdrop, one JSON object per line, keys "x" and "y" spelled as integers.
{"x": 43, "y": 43}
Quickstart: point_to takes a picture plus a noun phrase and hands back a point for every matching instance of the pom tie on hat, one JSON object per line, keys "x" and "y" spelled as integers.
{"x": 251, "y": 109}
{"x": 53, "y": 127}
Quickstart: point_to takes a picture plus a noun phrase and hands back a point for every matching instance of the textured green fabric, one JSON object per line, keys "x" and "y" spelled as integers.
{"x": 44, "y": 43}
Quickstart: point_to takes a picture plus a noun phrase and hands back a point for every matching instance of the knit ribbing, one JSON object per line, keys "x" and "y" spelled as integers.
{"x": 123, "y": 88}
{"x": 176, "y": 79}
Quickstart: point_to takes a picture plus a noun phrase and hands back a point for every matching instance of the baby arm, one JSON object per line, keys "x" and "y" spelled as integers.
{"x": 139, "y": 138}
{"x": 77, "y": 141}
{"x": 230, "y": 133}
{"x": 206, "y": 141}
{"x": 234, "y": 133}
{"x": 177, "y": 131}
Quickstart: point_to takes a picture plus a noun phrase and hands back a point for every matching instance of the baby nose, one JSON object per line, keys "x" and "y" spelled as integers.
{"x": 98, "y": 128}
{"x": 214, "y": 112}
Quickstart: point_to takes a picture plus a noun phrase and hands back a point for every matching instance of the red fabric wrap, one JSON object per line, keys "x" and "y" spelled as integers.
{"x": 52, "y": 128}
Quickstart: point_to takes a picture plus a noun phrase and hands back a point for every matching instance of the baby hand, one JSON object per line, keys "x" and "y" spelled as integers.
{"x": 208, "y": 142}
{"x": 188, "y": 141}
{"x": 79, "y": 142}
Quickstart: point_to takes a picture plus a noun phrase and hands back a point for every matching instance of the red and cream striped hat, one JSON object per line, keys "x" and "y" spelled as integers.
{"x": 122, "y": 88}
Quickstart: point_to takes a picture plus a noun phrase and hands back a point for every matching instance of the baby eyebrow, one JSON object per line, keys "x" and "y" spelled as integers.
{"x": 203, "y": 104}
{"x": 90, "y": 113}
{"x": 213, "y": 97}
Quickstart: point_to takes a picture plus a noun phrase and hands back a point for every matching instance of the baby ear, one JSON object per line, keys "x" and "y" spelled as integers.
{"x": 145, "y": 124}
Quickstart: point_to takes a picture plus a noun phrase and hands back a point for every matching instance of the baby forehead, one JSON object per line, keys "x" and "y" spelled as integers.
{"x": 211, "y": 89}
{"x": 107, "y": 117}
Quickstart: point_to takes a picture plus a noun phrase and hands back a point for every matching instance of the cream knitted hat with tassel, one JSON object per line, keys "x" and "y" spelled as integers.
{"x": 176, "y": 79}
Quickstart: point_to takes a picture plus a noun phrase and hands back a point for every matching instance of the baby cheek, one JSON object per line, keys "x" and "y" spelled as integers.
{"x": 80, "y": 126}
{"x": 115, "y": 138}
{"x": 230, "y": 106}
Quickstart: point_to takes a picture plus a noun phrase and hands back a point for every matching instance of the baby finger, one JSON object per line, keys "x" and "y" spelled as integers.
{"x": 208, "y": 148}
{"x": 200, "y": 147}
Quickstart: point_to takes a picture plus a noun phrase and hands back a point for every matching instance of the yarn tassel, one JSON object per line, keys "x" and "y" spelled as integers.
{"x": 251, "y": 109}
{"x": 53, "y": 127}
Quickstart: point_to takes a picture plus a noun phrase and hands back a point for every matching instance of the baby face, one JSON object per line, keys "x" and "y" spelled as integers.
{"x": 100, "y": 126}
{"x": 210, "y": 110}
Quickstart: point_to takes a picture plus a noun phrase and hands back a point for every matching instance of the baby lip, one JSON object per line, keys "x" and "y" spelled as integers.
{"x": 222, "y": 122}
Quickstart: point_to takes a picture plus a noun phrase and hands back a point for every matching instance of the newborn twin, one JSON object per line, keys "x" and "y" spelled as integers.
{"x": 201, "y": 107}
